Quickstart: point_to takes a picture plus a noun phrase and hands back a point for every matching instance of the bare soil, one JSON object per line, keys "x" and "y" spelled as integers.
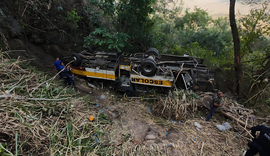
{"x": 135, "y": 129}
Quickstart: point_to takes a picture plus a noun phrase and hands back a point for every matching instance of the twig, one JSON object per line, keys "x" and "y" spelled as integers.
{"x": 246, "y": 122}
{"x": 15, "y": 85}
{"x": 261, "y": 93}
{"x": 178, "y": 74}
{"x": 246, "y": 131}
{"x": 202, "y": 148}
{"x": 252, "y": 97}
{"x": 24, "y": 10}
{"x": 57, "y": 120}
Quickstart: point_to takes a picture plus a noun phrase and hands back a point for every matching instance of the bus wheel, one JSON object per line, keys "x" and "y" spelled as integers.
{"x": 77, "y": 59}
{"x": 153, "y": 52}
{"x": 149, "y": 67}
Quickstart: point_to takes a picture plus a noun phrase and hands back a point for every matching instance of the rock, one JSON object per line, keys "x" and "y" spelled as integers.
{"x": 151, "y": 132}
{"x": 137, "y": 142}
{"x": 114, "y": 114}
{"x": 83, "y": 88}
{"x": 150, "y": 137}
{"x": 140, "y": 130}
{"x": 207, "y": 100}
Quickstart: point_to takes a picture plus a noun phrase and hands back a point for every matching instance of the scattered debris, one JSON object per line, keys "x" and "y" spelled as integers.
{"x": 221, "y": 127}
{"x": 234, "y": 111}
{"x": 197, "y": 125}
{"x": 180, "y": 122}
{"x": 91, "y": 118}
{"x": 93, "y": 86}
{"x": 103, "y": 96}
{"x": 226, "y": 125}
{"x": 32, "y": 117}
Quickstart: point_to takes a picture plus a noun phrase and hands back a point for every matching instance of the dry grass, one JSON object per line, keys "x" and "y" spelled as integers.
{"x": 177, "y": 105}
{"x": 48, "y": 118}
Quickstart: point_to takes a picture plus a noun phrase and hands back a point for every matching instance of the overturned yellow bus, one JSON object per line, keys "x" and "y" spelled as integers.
{"x": 141, "y": 72}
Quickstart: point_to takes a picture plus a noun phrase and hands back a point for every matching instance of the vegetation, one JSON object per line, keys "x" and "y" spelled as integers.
{"x": 105, "y": 40}
{"x": 43, "y": 118}
{"x": 136, "y": 25}
{"x": 40, "y": 116}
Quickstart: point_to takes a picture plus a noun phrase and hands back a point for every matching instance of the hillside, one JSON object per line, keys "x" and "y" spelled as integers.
{"x": 41, "y": 116}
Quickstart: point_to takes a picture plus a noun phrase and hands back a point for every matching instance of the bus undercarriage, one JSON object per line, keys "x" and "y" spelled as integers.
{"x": 141, "y": 72}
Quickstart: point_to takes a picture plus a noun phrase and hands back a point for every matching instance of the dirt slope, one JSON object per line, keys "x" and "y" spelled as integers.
{"x": 135, "y": 130}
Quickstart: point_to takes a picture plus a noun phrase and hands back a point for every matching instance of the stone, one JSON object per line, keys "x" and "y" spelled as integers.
{"x": 150, "y": 137}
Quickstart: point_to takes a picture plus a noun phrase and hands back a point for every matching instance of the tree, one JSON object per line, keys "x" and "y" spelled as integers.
{"x": 237, "y": 52}
{"x": 164, "y": 31}
{"x": 129, "y": 18}
{"x": 255, "y": 26}
{"x": 194, "y": 20}
{"x": 211, "y": 39}
{"x": 198, "y": 26}
{"x": 255, "y": 52}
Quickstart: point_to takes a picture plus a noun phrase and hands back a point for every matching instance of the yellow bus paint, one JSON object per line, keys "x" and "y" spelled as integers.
{"x": 93, "y": 74}
{"x": 78, "y": 72}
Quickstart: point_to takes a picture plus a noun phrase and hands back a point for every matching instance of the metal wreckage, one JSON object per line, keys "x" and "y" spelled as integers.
{"x": 142, "y": 72}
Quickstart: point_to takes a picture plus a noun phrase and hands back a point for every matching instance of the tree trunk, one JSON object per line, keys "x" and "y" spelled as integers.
{"x": 236, "y": 42}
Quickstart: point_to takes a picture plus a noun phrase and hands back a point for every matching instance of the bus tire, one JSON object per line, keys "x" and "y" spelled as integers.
{"x": 149, "y": 67}
{"x": 153, "y": 52}
{"x": 77, "y": 59}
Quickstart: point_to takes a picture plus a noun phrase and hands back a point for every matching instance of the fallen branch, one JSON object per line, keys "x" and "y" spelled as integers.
{"x": 247, "y": 133}
{"x": 237, "y": 120}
